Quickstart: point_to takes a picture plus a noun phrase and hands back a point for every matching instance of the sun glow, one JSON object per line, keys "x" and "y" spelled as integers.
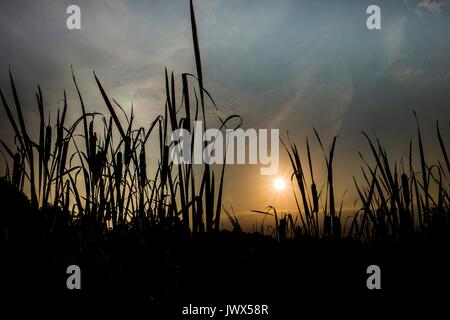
{"x": 279, "y": 184}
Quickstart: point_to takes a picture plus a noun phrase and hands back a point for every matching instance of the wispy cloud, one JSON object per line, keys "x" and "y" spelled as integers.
{"x": 432, "y": 6}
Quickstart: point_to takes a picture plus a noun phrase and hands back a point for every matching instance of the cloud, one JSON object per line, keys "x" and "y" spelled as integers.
{"x": 411, "y": 72}
{"x": 432, "y": 6}
{"x": 127, "y": 43}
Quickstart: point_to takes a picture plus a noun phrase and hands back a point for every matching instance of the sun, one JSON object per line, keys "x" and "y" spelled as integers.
{"x": 279, "y": 184}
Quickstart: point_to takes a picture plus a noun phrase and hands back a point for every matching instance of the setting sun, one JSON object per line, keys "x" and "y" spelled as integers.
{"x": 279, "y": 184}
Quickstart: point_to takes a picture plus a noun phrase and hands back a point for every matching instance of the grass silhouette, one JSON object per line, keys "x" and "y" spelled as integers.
{"x": 158, "y": 238}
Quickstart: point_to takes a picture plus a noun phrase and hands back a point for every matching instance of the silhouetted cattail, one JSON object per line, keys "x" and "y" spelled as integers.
{"x": 63, "y": 157}
{"x": 92, "y": 147}
{"x": 142, "y": 168}
{"x": 118, "y": 178}
{"x": 127, "y": 150}
{"x": 315, "y": 198}
{"x": 48, "y": 143}
{"x": 16, "y": 170}
{"x": 99, "y": 162}
{"x": 165, "y": 165}
{"x": 118, "y": 170}
{"x": 405, "y": 187}
{"x": 67, "y": 197}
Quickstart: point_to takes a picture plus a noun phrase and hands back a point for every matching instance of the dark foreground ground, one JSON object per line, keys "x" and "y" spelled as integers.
{"x": 161, "y": 272}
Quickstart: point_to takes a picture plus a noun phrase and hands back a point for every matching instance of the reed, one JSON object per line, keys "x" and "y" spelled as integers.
{"x": 96, "y": 169}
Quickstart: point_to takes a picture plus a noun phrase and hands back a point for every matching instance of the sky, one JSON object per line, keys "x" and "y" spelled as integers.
{"x": 288, "y": 64}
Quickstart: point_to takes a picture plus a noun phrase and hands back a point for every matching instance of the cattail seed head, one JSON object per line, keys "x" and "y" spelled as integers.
{"x": 405, "y": 187}
{"x": 16, "y": 170}
{"x": 127, "y": 150}
{"x": 315, "y": 198}
{"x": 48, "y": 143}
